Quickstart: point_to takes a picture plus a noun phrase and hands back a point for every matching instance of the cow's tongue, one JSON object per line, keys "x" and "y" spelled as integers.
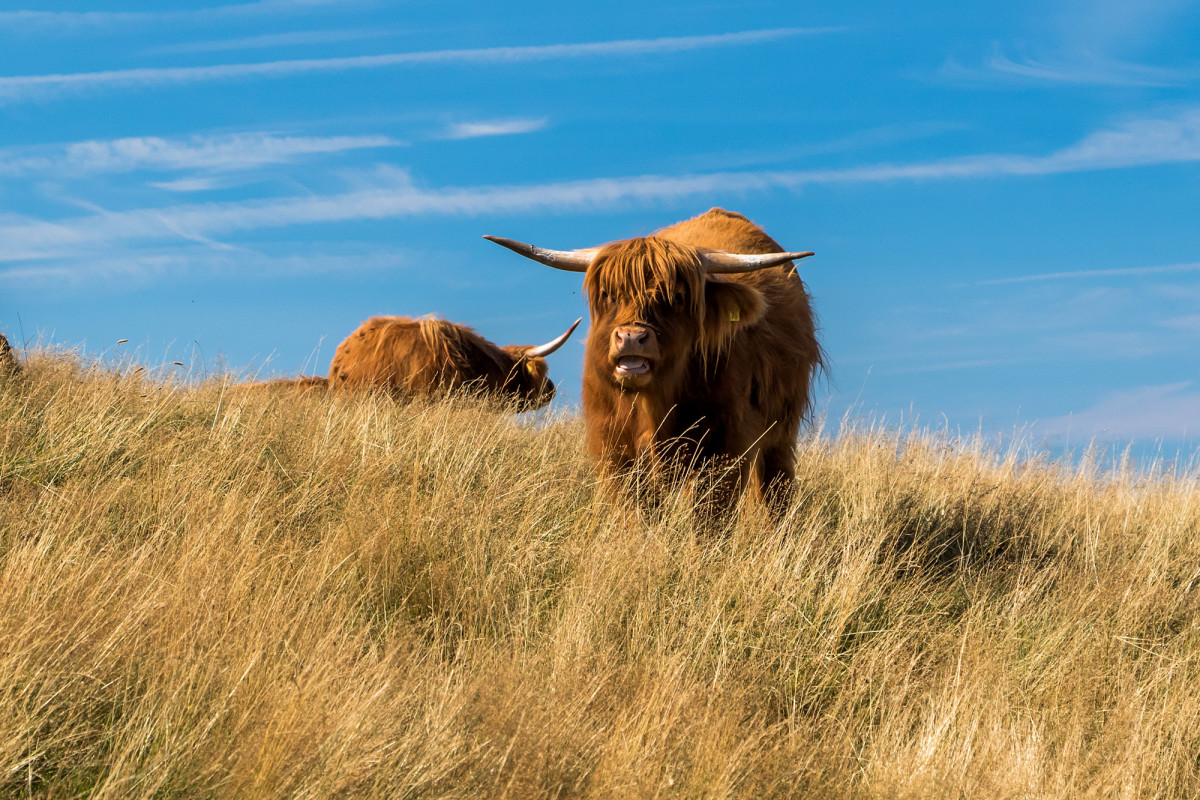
{"x": 632, "y": 365}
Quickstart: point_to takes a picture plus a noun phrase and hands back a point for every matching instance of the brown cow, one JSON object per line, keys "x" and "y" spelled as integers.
{"x": 8, "y": 359}
{"x": 427, "y": 357}
{"x": 702, "y": 351}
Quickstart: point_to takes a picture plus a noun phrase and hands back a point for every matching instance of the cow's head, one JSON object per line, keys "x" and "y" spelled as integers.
{"x": 529, "y": 378}
{"x": 655, "y": 302}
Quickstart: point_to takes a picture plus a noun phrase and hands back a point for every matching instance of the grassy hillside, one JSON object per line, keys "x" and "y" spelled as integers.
{"x": 219, "y": 593}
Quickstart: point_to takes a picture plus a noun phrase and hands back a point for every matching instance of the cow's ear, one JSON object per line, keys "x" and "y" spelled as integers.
{"x": 538, "y": 369}
{"x": 728, "y": 308}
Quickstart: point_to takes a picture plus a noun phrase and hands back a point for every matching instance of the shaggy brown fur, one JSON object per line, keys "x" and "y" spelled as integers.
{"x": 8, "y": 359}
{"x": 725, "y": 363}
{"x": 412, "y": 358}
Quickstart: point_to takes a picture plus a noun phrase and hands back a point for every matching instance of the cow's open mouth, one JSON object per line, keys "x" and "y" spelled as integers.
{"x": 629, "y": 366}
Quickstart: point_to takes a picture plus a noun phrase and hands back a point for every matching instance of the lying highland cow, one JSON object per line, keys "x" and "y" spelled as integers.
{"x": 412, "y": 358}
{"x": 8, "y": 359}
{"x": 702, "y": 351}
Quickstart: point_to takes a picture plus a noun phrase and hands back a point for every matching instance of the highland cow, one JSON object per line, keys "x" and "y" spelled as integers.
{"x": 8, "y": 359}
{"x": 430, "y": 358}
{"x": 702, "y": 351}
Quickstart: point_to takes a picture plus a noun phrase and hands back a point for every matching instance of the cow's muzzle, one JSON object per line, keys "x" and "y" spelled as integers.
{"x": 633, "y": 350}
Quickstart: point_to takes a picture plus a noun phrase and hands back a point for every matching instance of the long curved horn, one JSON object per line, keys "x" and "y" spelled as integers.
{"x": 541, "y": 351}
{"x": 568, "y": 260}
{"x": 718, "y": 261}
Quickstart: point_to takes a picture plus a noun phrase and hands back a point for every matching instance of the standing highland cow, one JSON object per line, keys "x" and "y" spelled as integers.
{"x": 702, "y": 351}
{"x": 410, "y": 358}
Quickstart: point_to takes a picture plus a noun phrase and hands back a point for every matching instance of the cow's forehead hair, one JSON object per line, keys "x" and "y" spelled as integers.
{"x": 646, "y": 269}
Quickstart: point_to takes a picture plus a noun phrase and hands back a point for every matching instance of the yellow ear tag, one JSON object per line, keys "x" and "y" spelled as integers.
{"x": 734, "y": 315}
{"x": 529, "y": 365}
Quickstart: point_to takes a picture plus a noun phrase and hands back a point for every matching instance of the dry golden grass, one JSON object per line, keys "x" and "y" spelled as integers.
{"x": 212, "y": 593}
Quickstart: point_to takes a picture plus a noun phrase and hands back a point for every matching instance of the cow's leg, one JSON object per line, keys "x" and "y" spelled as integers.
{"x": 777, "y": 478}
{"x": 719, "y": 483}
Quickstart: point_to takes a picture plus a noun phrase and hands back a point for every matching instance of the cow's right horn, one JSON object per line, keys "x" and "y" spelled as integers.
{"x": 569, "y": 260}
{"x": 541, "y": 351}
{"x": 719, "y": 262}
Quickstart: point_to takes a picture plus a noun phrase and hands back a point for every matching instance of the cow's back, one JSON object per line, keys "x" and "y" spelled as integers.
{"x": 415, "y": 357}
{"x": 718, "y": 229}
{"x": 384, "y": 352}
{"x": 8, "y": 359}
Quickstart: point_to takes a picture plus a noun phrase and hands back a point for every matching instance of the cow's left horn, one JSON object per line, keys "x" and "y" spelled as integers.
{"x": 569, "y": 260}
{"x": 541, "y": 351}
{"x": 718, "y": 261}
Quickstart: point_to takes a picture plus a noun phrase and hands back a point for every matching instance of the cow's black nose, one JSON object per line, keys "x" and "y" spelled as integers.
{"x": 626, "y": 336}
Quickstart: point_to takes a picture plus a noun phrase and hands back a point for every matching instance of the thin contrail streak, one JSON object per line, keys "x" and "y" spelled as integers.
{"x": 16, "y": 87}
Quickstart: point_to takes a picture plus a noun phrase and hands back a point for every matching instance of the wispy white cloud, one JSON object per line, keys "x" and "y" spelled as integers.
{"x": 938, "y": 366}
{"x": 1034, "y": 325}
{"x": 1140, "y": 141}
{"x": 1134, "y": 143}
{"x": 1169, "y": 412}
{"x": 19, "y": 87}
{"x": 205, "y": 184}
{"x": 1094, "y": 273}
{"x": 392, "y": 193}
{"x": 289, "y": 39}
{"x": 871, "y": 138}
{"x": 1096, "y": 72}
{"x": 1073, "y": 71}
{"x": 1113, "y": 26}
{"x": 142, "y": 264}
{"x": 1188, "y": 323}
{"x": 77, "y": 22}
{"x": 496, "y": 127}
{"x": 1088, "y": 42}
{"x": 221, "y": 152}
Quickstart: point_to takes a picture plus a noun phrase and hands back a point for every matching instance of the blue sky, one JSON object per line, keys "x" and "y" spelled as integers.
{"x": 1003, "y": 198}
